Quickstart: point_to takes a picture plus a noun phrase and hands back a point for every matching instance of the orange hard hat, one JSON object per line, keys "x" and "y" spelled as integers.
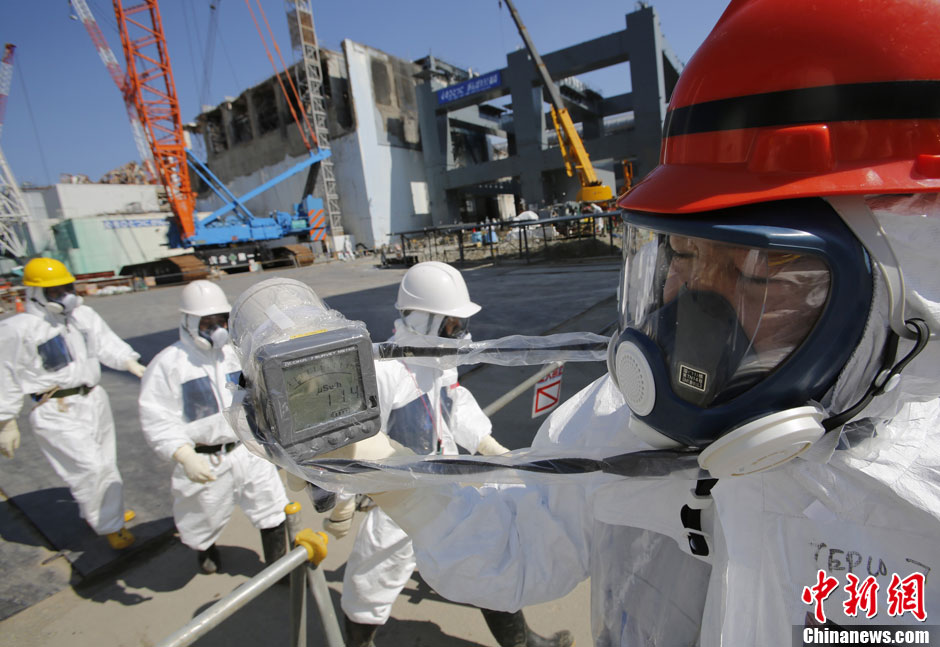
{"x": 798, "y": 98}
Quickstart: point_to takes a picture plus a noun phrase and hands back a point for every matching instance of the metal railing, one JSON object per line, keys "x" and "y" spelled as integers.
{"x": 451, "y": 243}
{"x": 302, "y": 566}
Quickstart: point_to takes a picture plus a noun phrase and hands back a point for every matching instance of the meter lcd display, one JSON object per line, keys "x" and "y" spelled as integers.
{"x": 324, "y": 387}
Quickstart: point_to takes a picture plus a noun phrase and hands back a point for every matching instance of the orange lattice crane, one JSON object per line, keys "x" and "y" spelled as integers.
{"x": 150, "y": 86}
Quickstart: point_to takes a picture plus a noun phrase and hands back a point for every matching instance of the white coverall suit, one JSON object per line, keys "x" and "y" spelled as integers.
{"x": 872, "y": 508}
{"x": 42, "y": 351}
{"x": 182, "y": 396}
{"x": 426, "y": 410}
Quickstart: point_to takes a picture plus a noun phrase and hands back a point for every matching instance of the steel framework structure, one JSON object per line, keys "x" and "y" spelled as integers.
{"x": 13, "y": 213}
{"x": 150, "y": 84}
{"x": 120, "y": 80}
{"x": 304, "y": 38}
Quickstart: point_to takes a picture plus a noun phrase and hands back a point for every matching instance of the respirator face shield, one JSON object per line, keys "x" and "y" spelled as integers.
{"x": 454, "y": 327}
{"x": 728, "y": 316}
{"x": 436, "y": 324}
{"x": 61, "y": 299}
{"x": 207, "y": 331}
{"x": 214, "y": 329}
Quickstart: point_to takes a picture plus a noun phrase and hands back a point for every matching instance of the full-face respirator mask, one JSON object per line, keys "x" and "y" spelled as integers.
{"x": 733, "y": 326}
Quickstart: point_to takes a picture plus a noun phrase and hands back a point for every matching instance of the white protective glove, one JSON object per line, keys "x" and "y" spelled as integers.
{"x": 294, "y": 482}
{"x": 197, "y": 468}
{"x": 9, "y": 437}
{"x": 377, "y": 447}
{"x": 489, "y": 447}
{"x": 340, "y": 520}
{"x": 410, "y": 503}
{"x": 135, "y": 368}
{"x": 374, "y": 448}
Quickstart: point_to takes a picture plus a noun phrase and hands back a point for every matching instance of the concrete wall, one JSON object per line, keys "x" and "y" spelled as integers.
{"x": 41, "y": 240}
{"x": 382, "y": 198}
{"x": 68, "y": 221}
{"x": 82, "y": 200}
{"x": 351, "y": 185}
{"x": 107, "y": 243}
{"x": 375, "y": 144}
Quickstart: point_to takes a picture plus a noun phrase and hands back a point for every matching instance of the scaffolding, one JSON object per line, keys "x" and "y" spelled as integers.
{"x": 304, "y": 38}
{"x": 13, "y": 213}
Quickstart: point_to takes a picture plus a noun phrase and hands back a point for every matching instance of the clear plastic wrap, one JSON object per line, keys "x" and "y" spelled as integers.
{"x": 308, "y": 376}
{"x": 524, "y": 466}
{"x": 514, "y": 350}
{"x": 278, "y": 324}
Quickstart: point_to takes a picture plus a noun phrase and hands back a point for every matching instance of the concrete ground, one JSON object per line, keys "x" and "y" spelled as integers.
{"x": 62, "y": 585}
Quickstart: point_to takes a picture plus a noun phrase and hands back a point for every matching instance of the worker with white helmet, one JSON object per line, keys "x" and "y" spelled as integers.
{"x": 427, "y": 411}
{"x": 53, "y": 353}
{"x": 182, "y": 397}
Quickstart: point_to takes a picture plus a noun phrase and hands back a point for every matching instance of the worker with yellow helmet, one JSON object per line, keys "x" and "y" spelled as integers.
{"x": 53, "y": 353}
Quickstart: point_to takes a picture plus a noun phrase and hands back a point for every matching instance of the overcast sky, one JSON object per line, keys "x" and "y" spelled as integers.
{"x": 65, "y": 115}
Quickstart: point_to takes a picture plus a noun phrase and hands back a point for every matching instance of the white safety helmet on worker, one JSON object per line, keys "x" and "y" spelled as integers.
{"x": 204, "y": 319}
{"x": 433, "y": 300}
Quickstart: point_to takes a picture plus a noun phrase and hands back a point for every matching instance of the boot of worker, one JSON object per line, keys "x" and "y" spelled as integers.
{"x": 274, "y": 546}
{"x": 511, "y": 630}
{"x": 358, "y": 634}
{"x": 274, "y": 542}
{"x": 121, "y": 539}
{"x": 209, "y": 560}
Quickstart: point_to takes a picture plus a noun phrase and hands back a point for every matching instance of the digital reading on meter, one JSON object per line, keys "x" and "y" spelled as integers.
{"x": 319, "y": 391}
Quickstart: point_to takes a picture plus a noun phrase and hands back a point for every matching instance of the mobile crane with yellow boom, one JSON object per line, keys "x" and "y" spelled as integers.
{"x": 572, "y": 148}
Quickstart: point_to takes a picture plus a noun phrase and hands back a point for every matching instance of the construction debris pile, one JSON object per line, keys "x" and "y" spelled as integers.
{"x": 130, "y": 173}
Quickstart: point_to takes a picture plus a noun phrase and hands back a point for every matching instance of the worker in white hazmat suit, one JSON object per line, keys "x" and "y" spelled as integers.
{"x": 182, "y": 396}
{"x": 425, "y": 409}
{"x": 776, "y": 360}
{"x": 53, "y": 353}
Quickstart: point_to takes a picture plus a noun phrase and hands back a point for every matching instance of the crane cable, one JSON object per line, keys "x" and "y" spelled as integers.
{"x": 290, "y": 78}
{"x": 277, "y": 74}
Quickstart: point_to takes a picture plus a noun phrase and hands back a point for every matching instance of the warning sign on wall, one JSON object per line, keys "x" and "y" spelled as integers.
{"x": 547, "y": 393}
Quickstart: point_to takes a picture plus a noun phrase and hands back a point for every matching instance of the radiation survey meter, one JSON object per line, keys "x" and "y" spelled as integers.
{"x": 309, "y": 380}
{"x": 319, "y": 390}
{"x": 309, "y": 383}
